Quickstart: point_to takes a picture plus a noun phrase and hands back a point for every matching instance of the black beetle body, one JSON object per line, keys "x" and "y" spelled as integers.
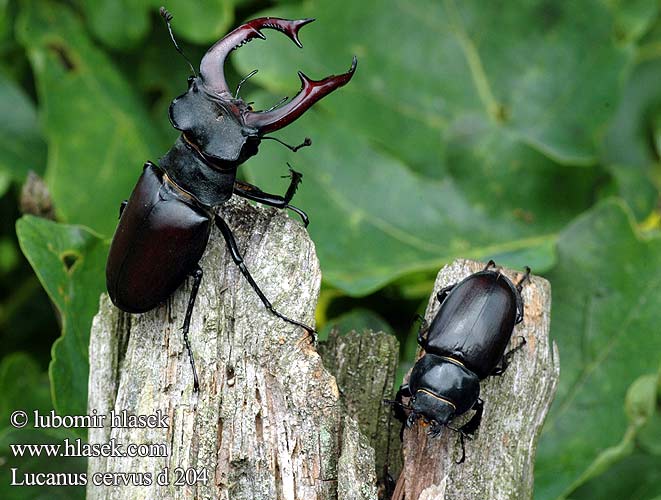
{"x": 465, "y": 343}
{"x": 165, "y": 225}
{"x": 161, "y": 237}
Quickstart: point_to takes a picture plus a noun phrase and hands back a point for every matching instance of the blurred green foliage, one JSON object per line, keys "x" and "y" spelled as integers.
{"x": 528, "y": 132}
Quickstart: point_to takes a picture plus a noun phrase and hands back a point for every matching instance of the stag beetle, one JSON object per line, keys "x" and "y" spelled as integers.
{"x": 464, "y": 344}
{"x": 165, "y": 225}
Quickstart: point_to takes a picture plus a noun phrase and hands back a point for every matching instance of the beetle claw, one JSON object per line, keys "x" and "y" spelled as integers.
{"x": 214, "y": 59}
{"x": 311, "y": 91}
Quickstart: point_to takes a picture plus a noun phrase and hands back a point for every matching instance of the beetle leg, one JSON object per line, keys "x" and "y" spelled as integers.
{"x": 519, "y": 300}
{"x": 442, "y": 295}
{"x": 399, "y": 406}
{"x": 253, "y": 193}
{"x": 122, "y": 206}
{"x": 463, "y": 449}
{"x": 424, "y": 328}
{"x": 238, "y": 260}
{"x": 410, "y": 420}
{"x": 520, "y": 309}
{"x": 472, "y": 425}
{"x": 526, "y": 277}
{"x": 491, "y": 263}
{"x": 507, "y": 358}
{"x": 197, "y": 279}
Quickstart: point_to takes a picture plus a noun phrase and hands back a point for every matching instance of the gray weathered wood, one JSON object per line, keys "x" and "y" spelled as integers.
{"x": 267, "y": 422}
{"x": 364, "y": 365}
{"x": 355, "y": 469}
{"x": 499, "y": 460}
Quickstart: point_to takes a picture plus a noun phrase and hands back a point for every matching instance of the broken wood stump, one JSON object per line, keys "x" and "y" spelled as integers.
{"x": 267, "y": 422}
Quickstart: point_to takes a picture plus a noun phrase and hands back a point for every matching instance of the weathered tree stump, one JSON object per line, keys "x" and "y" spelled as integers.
{"x": 364, "y": 365}
{"x": 267, "y": 422}
{"x": 499, "y": 460}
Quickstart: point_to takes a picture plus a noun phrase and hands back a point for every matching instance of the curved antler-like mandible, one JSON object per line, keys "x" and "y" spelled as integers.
{"x": 311, "y": 92}
{"x": 211, "y": 67}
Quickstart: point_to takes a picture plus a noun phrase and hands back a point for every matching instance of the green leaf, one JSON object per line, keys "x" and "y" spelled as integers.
{"x": 202, "y": 21}
{"x": 374, "y": 220}
{"x": 5, "y": 25}
{"x": 539, "y": 73}
{"x": 22, "y": 146}
{"x": 649, "y": 436}
{"x": 641, "y": 399}
{"x": 446, "y": 143}
{"x": 70, "y": 263}
{"x": 627, "y": 149}
{"x": 606, "y": 312}
{"x": 22, "y": 386}
{"x": 633, "y": 17}
{"x": 99, "y": 134}
{"x": 638, "y": 477}
{"x": 119, "y": 24}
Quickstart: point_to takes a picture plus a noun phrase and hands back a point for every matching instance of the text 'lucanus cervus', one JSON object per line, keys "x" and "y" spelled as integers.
{"x": 165, "y": 225}
{"x": 464, "y": 344}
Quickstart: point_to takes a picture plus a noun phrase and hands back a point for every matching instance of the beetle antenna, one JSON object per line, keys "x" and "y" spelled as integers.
{"x": 277, "y": 104}
{"x": 238, "y": 87}
{"x": 305, "y": 143}
{"x": 168, "y": 17}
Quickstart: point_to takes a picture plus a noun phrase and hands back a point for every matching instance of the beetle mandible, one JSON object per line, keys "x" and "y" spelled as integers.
{"x": 464, "y": 344}
{"x": 165, "y": 225}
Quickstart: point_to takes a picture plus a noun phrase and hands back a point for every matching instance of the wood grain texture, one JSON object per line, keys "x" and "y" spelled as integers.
{"x": 267, "y": 422}
{"x": 364, "y": 365}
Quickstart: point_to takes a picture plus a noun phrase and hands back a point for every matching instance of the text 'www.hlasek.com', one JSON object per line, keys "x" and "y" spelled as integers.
{"x": 75, "y": 447}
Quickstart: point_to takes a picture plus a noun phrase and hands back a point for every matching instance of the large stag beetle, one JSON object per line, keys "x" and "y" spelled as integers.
{"x": 164, "y": 227}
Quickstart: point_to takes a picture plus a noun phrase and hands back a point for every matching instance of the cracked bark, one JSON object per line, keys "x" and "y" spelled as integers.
{"x": 499, "y": 460}
{"x": 267, "y": 422}
{"x": 364, "y": 365}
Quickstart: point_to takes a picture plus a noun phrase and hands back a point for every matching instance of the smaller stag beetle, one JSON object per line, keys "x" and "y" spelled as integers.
{"x": 165, "y": 225}
{"x": 464, "y": 344}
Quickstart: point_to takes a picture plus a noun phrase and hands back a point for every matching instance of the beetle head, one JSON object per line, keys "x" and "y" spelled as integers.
{"x": 432, "y": 409}
{"x": 224, "y": 128}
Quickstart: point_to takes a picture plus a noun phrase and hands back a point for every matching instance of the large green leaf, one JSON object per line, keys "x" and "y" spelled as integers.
{"x": 98, "y": 131}
{"x": 628, "y": 149}
{"x": 70, "y": 263}
{"x": 430, "y": 73}
{"x": 22, "y": 147}
{"x": 123, "y": 24}
{"x": 606, "y": 312}
{"x": 202, "y": 21}
{"x": 447, "y": 141}
{"x": 638, "y": 477}
{"x": 374, "y": 220}
{"x": 120, "y": 24}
